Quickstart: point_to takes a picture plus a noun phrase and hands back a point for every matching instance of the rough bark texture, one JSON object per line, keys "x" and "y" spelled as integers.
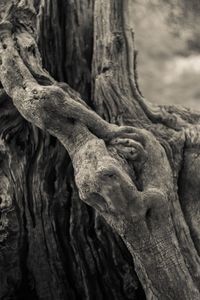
{"x": 139, "y": 178}
{"x": 53, "y": 246}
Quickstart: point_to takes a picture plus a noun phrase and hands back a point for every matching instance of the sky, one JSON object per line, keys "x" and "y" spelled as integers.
{"x": 168, "y": 40}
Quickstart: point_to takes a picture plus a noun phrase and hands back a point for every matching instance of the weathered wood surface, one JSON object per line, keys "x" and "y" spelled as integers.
{"x": 137, "y": 175}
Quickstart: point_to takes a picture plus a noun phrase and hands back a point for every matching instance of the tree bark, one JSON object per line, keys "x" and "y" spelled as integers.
{"x": 133, "y": 163}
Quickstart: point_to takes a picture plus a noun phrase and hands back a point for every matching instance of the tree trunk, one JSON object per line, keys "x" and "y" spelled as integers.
{"x": 134, "y": 164}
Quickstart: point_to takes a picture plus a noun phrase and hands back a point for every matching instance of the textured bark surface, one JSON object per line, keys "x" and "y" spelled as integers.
{"x": 139, "y": 177}
{"x": 53, "y": 246}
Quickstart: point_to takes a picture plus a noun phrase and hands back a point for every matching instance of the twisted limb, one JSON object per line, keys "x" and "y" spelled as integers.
{"x": 140, "y": 209}
{"x": 140, "y": 212}
{"x": 39, "y": 103}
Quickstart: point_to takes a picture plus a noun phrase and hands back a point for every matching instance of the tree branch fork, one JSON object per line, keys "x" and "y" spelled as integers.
{"x": 51, "y": 108}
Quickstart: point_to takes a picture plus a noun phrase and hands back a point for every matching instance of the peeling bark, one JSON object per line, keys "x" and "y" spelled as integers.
{"x": 132, "y": 163}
